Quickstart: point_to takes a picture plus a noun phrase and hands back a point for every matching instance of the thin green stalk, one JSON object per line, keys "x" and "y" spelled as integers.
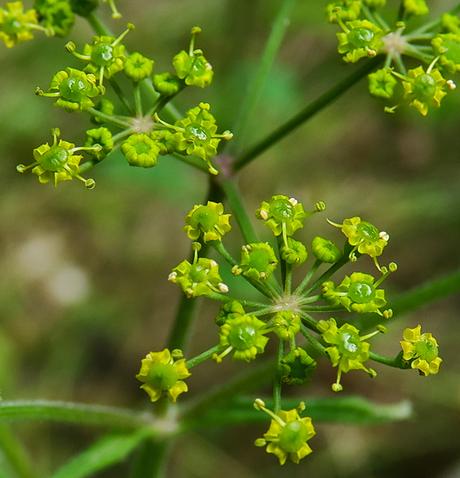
{"x": 395, "y": 362}
{"x": 193, "y": 161}
{"x": 109, "y": 118}
{"x": 310, "y": 321}
{"x": 122, "y": 134}
{"x": 323, "y": 308}
{"x": 308, "y": 277}
{"x": 332, "y": 270}
{"x": 236, "y": 204}
{"x": 315, "y": 343}
{"x": 87, "y": 165}
{"x": 277, "y": 381}
{"x": 207, "y": 354}
{"x": 138, "y": 100}
{"x": 98, "y": 25}
{"x": 306, "y": 114}
{"x": 268, "y": 57}
{"x": 220, "y": 248}
{"x": 77, "y": 413}
{"x": 288, "y": 282}
{"x": 249, "y": 379}
{"x": 121, "y": 96}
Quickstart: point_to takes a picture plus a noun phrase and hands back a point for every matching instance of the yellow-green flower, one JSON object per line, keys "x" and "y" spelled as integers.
{"x": 421, "y": 350}
{"x": 325, "y": 250}
{"x": 229, "y": 310}
{"x": 162, "y": 374}
{"x": 288, "y": 434}
{"x": 141, "y": 150}
{"x": 244, "y": 335}
{"x": 344, "y": 10}
{"x": 424, "y": 89}
{"x": 17, "y": 25}
{"x": 297, "y": 367}
{"x": 58, "y": 162}
{"x": 192, "y": 67}
{"x": 105, "y": 56}
{"x": 196, "y": 134}
{"x": 207, "y": 222}
{"x": 382, "y": 83}
{"x": 347, "y": 350}
{"x": 447, "y": 47}
{"x": 200, "y": 278}
{"x": 282, "y": 215}
{"x": 450, "y": 23}
{"x": 357, "y": 292}
{"x": 101, "y": 136}
{"x": 73, "y": 89}
{"x": 359, "y": 39}
{"x": 364, "y": 237}
{"x": 258, "y": 261}
{"x": 416, "y": 7}
{"x": 138, "y": 67}
{"x": 286, "y": 324}
{"x": 167, "y": 84}
{"x": 55, "y": 15}
{"x": 375, "y": 3}
{"x": 294, "y": 252}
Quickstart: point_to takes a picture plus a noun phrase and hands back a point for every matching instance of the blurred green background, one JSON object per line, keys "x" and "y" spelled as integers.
{"x": 83, "y": 289}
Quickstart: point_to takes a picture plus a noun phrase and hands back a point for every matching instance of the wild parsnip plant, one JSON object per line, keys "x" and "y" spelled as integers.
{"x": 328, "y": 315}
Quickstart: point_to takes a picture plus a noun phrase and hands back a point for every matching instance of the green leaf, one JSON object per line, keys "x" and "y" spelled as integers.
{"x": 77, "y": 413}
{"x": 102, "y": 454}
{"x": 349, "y": 410}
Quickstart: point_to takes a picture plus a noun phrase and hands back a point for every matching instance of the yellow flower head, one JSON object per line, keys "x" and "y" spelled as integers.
{"x": 162, "y": 373}
{"x": 421, "y": 350}
{"x": 288, "y": 434}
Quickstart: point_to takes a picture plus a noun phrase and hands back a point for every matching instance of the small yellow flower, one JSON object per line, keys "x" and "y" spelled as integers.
{"x": 421, "y": 350}
{"x": 162, "y": 373}
{"x": 288, "y": 434}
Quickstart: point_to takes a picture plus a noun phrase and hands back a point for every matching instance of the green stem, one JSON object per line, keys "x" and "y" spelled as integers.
{"x": 193, "y": 362}
{"x": 77, "y": 413}
{"x": 332, "y": 270}
{"x": 109, "y": 118}
{"x": 315, "y": 343}
{"x": 122, "y": 135}
{"x": 256, "y": 87}
{"x": 308, "y": 277}
{"x": 277, "y": 380}
{"x": 236, "y": 204}
{"x": 220, "y": 248}
{"x": 98, "y": 25}
{"x": 306, "y": 114}
{"x": 193, "y": 161}
{"x": 121, "y": 96}
{"x": 138, "y": 100}
{"x": 323, "y": 308}
{"x": 248, "y": 379}
{"x": 310, "y": 321}
{"x": 395, "y": 362}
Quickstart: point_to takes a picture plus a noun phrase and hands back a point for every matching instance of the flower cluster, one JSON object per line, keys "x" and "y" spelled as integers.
{"x": 433, "y": 46}
{"x": 291, "y": 315}
{"x": 132, "y": 123}
{"x": 52, "y": 17}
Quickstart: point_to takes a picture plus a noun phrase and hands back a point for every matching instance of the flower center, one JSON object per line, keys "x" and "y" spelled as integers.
{"x": 259, "y": 260}
{"x": 453, "y": 51}
{"x": 367, "y": 231}
{"x": 102, "y": 54}
{"x": 293, "y": 436}
{"x": 72, "y": 89}
{"x": 162, "y": 376}
{"x": 424, "y": 87}
{"x": 197, "y": 132}
{"x": 350, "y": 343}
{"x": 394, "y": 44}
{"x": 242, "y": 337}
{"x": 54, "y": 159}
{"x": 281, "y": 210}
{"x": 142, "y": 147}
{"x": 360, "y": 292}
{"x": 12, "y": 26}
{"x": 426, "y": 350}
{"x": 205, "y": 217}
{"x": 198, "y": 273}
{"x": 360, "y": 37}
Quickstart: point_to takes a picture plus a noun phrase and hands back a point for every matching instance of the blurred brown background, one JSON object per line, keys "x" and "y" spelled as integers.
{"x": 83, "y": 289}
